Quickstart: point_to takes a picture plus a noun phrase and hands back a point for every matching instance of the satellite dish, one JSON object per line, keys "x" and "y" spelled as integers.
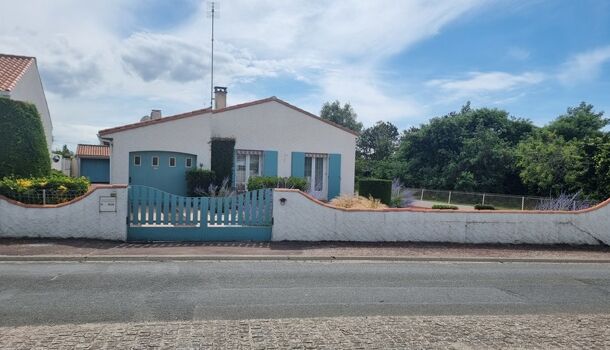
{"x": 56, "y": 158}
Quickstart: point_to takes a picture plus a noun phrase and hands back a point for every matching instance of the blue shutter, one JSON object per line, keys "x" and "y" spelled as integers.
{"x": 334, "y": 175}
{"x": 270, "y": 163}
{"x": 233, "y": 176}
{"x": 297, "y": 165}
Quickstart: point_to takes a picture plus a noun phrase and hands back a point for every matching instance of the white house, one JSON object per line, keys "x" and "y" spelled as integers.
{"x": 272, "y": 138}
{"x": 20, "y": 81}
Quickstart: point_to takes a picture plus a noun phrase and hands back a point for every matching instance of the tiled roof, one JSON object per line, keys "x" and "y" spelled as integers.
{"x": 12, "y": 69}
{"x": 92, "y": 151}
{"x": 212, "y": 111}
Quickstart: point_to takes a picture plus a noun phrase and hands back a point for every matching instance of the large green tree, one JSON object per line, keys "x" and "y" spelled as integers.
{"x": 579, "y": 123}
{"x": 342, "y": 115}
{"x": 378, "y": 142}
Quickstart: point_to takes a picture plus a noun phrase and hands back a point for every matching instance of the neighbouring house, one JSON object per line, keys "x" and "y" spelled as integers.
{"x": 93, "y": 162}
{"x": 272, "y": 138}
{"x": 20, "y": 81}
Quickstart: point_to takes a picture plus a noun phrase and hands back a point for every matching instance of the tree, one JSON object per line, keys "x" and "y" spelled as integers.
{"x": 377, "y": 142}
{"x": 64, "y": 152}
{"x": 345, "y": 116}
{"x": 579, "y": 123}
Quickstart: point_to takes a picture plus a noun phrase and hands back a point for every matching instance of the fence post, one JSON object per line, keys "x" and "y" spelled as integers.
{"x": 449, "y": 201}
{"x": 522, "y": 203}
{"x": 483, "y": 203}
{"x": 44, "y": 196}
{"x": 421, "y": 198}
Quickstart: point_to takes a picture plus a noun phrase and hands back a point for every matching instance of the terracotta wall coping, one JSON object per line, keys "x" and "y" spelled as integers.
{"x": 92, "y": 189}
{"x": 426, "y": 210}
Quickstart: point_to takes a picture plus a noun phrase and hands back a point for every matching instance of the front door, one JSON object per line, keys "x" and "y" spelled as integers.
{"x": 316, "y": 175}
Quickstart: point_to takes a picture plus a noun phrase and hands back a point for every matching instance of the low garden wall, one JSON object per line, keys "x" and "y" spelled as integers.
{"x": 299, "y": 217}
{"x": 99, "y": 214}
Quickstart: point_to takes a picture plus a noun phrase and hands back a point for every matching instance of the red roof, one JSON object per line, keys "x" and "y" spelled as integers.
{"x": 12, "y": 68}
{"x": 92, "y": 151}
{"x": 212, "y": 111}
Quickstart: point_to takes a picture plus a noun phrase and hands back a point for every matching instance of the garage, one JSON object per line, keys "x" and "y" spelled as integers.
{"x": 94, "y": 162}
{"x": 160, "y": 169}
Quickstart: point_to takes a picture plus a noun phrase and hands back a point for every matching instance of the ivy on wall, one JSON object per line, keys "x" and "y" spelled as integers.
{"x": 222, "y": 151}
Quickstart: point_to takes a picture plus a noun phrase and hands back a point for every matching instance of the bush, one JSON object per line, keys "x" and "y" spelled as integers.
{"x": 58, "y": 188}
{"x": 376, "y": 188}
{"x": 221, "y": 162}
{"x": 357, "y": 202}
{"x": 445, "y": 207}
{"x": 22, "y": 141}
{"x": 198, "y": 181}
{"x": 401, "y": 196}
{"x": 484, "y": 207}
{"x": 260, "y": 182}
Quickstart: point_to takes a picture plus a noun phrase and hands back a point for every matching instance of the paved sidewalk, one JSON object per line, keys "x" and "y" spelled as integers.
{"x": 447, "y": 332}
{"x": 93, "y": 249}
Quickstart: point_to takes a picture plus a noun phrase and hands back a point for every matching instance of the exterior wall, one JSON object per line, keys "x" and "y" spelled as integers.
{"x": 267, "y": 126}
{"x": 301, "y": 218}
{"x": 79, "y": 218}
{"x": 29, "y": 89}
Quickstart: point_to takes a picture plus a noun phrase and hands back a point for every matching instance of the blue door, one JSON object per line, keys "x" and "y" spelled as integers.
{"x": 97, "y": 170}
{"x": 161, "y": 170}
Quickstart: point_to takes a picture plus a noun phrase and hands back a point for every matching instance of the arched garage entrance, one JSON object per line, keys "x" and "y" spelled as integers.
{"x": 161, "y": 170}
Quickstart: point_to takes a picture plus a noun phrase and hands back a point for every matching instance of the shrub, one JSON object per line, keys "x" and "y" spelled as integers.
{"x": 58, "y": 188}
{"x": 198, "y": 181}
{"x": 222, "y": 152}
{"x": 401, "y": 197}
{"x": 376, "y": 188}
{"x": 260, "y": 182}
{"x": 357, "y": 202}
{"x": 484, "y": 207}
{"x": 22, "y": 141}
{"x": 445, "y": 207}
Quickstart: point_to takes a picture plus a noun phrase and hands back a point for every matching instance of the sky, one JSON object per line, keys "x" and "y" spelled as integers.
{"x": 109, "y": 62}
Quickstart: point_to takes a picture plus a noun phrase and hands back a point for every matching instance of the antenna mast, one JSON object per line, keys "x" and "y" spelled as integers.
{"x": 212, "y": 13}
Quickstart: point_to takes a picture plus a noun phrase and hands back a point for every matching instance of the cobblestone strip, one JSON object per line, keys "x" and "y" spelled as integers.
{"x": 453, "y": 332}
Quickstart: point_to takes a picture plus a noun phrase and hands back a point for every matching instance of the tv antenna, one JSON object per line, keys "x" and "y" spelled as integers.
{"x": 212, "y": 13}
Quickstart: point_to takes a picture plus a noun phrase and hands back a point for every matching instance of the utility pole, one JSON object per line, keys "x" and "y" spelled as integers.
{"x": 212, "y": 14}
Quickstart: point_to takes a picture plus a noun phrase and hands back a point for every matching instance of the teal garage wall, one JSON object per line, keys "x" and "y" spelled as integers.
{"x": 163, "y": 177}
{"x": 97, "y": 170}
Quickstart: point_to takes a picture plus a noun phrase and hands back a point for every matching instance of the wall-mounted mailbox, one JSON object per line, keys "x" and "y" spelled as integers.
{"x": 107, "y": 204}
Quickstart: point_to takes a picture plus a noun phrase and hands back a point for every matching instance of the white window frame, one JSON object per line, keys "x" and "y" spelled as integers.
{"x": 247, "y": 154}
{"x": 139, "y": 158}
{"x": 186, "y": 162}
{"x": 169, "y": 162}
{"x": 323, "y": 193}
{"x": 152, "y": 161}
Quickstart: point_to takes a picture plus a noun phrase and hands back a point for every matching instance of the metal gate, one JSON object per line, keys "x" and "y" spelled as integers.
{"x": 155, "y": 215}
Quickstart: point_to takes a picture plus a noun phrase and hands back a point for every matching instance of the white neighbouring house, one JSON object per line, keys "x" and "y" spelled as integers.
{"x": 20, "y": 81}
{"x": 272, "y": 138}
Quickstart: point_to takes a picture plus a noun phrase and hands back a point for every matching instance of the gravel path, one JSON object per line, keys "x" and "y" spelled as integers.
{"x": 453, "y": 332}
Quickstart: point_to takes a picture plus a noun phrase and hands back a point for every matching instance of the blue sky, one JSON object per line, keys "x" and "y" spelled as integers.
{"x": 107, "y": 63}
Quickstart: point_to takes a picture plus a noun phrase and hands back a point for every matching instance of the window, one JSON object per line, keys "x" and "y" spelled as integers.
{"x": 155, "y": 161}
{"x": 316, "y": 173}
{"x": 137, "y": 160}
{"x": 172, "y": 162}
{"x": 188, "y": 162}
{"x": 248, "y": 163}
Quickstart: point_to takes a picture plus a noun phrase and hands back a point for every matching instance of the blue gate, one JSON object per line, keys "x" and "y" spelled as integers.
{"x": 155, "y": 215}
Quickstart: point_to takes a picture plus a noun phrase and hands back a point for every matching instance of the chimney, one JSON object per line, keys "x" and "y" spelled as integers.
{"x": 220, "y": 97}
{"x": 155, "y": 114}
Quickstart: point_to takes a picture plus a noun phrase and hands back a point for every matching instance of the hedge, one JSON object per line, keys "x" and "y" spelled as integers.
{"x": 221, "y": 162}
{"x": 198, "y": 181}
{"x": 22, "y": 141}
{"x": 484, "y": 207}
{"x": 445, "y": 207}
{"x": 58, "y": 188}
{"x": 376, "y": 188}
{"x": 260, "y": 182}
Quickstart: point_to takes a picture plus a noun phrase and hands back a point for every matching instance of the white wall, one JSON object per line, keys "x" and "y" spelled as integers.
{"x": 29, "y": 89}
{"x": 303, "y": 219}
{"x": 266, "y": 126}
{"x": 79, "y": 219}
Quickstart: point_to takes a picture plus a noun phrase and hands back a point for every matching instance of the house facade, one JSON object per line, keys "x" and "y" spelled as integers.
{"x": 272, "y": 138}
{"x": 20, "y": 81}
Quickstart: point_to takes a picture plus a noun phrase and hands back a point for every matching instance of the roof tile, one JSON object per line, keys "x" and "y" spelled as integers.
{"x": 12, "y": 68}
{"x": 92, "y": 151}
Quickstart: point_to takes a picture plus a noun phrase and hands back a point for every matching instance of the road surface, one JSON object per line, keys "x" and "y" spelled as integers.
{"x": 60, "y": 293}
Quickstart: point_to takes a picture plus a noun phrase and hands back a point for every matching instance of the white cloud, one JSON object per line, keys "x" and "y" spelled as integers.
{"x": 584, "y": 66}
{"x": 486, "y": 82}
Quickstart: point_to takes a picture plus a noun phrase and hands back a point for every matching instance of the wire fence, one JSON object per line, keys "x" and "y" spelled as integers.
{"x": 500, "y": 201}
{"x": 43, "y": 196}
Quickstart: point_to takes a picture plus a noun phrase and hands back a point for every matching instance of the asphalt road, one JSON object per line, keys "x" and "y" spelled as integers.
{"x": 58, "y": 293}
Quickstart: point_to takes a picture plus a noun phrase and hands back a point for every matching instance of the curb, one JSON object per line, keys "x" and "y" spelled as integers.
{"x": 111, "y": 258}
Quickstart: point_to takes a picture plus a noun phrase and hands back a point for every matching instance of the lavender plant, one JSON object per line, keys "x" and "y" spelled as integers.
{"x": 565, "y": 202}
{"x": 401, "y": 196}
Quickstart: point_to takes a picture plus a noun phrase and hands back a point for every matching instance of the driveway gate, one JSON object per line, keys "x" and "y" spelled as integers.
{"x": 155, "y": 215}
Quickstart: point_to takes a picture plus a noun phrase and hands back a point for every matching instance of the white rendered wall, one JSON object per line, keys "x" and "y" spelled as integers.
{"x": 29, "y": 89}
{"x": 79, "y": 219}
{"x": 266, "y": 126}
{"x": 302, "y": 219}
